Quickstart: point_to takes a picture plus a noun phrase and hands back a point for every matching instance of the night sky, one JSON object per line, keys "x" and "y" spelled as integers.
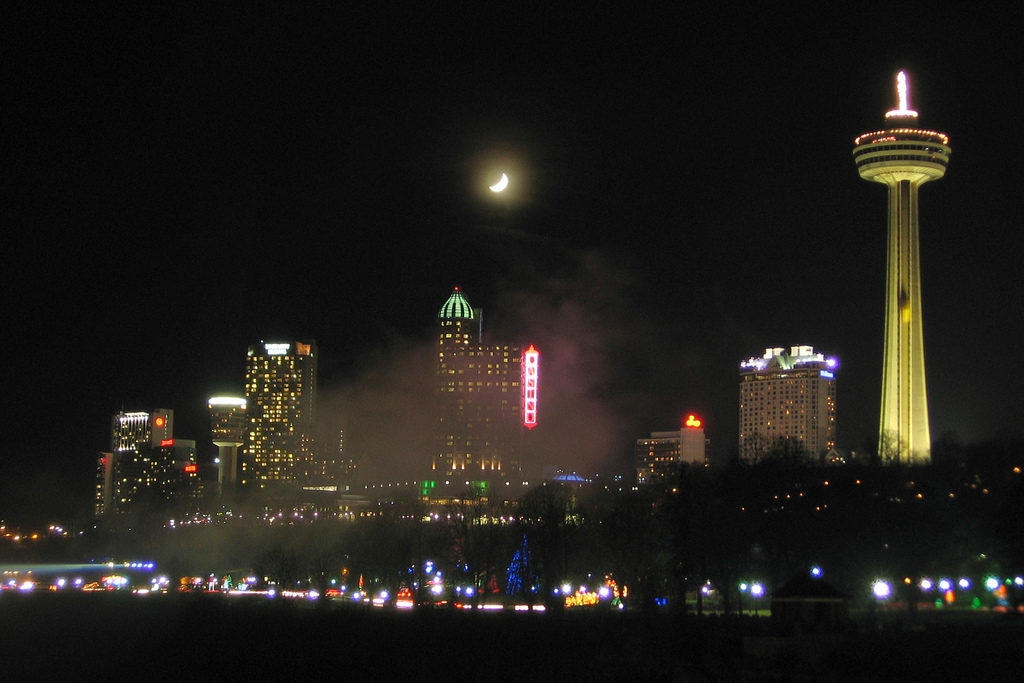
{"x": 182, "y": 184}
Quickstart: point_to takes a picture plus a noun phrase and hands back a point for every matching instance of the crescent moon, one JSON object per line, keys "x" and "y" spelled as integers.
{"x": 500, "y": 185}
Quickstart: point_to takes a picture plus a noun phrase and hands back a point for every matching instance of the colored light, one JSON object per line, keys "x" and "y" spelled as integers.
{"x": 530, "y": 383}
{"x": 991, "y": 583}
{"x": 159, "y": 421}
{"x": 756, "y": 589}
{"x": 693, "y": 422}
{"x": 166, "y": 442}
{"x": 191, "y": 468}
{"x": 816, "y": 572}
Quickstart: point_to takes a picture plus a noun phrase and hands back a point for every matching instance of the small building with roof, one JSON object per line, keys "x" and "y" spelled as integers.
{"x": 809, "y": 603}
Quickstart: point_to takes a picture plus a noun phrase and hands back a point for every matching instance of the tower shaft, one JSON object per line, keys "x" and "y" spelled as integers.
{"x": 903, "y": 426}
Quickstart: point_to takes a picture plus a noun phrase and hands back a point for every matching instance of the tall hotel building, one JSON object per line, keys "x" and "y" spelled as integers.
{"x": 280, "y": 394}
{"x": 479, "y": 395}
{"x": 787, "y": 399}
{"x": 903, "y": 156}
{"x": 145, "y": 462}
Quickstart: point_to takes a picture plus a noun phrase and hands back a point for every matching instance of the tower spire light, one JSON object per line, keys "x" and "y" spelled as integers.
{"x": 903, "y": 99}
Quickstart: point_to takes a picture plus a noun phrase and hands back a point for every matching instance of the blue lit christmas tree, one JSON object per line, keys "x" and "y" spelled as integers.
{"x": 520, "y": 572}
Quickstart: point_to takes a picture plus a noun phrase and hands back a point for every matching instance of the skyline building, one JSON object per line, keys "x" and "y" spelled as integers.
{"x": 229, "y": 425}
{"x": 902, "y": 156}
{"x": 347, "y": 465}
{"x": 281, "y": 393}
{"x": 787, "y": 401}
{"x": 145, "y": 462}
{"x": 658, "y": 455}
{"x": 479, "y": 395}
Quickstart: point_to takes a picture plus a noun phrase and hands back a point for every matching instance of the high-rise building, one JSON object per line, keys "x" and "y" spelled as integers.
{"x": 280, "y": 391}
{"x": 903, "y": 156}
{"x": 145, "y": 463}
{"x": 787, "y": 403}
{"x": 229, "y": 425}
{"x": 659, "y": 455}
{"x": 346, "y": 464}
{"x": 479, "y": 395}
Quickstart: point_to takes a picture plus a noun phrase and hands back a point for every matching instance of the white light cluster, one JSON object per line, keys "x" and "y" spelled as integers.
{"x": 276, "y": 349}
{"x": 226, "y": 401}
{"x": 903, "y": 96}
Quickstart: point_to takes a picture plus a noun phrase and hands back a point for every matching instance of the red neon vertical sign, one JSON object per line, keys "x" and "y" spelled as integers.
{"x": 531, "y": 364}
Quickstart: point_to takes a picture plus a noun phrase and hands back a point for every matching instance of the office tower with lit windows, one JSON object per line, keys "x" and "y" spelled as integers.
{"x": 662, "y": 453}
{"x": 229, "y": 425}
{"x": 787, "y": 404}
{"x": 480, "y": 421}
{"x": 145, "y": 463}
{"x": 903, "y": 156}
{"x": 280, "y": 394}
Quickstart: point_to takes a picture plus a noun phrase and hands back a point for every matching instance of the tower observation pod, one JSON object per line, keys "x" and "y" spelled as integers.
{"x": 903, "y": 156}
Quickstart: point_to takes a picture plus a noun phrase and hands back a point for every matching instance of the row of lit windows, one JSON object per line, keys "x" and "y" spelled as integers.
{"x": 941, "y": 161}
{"x": 922, "y": 146}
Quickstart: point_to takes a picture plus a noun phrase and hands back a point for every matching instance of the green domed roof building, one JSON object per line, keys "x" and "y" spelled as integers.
{"x": 478, "y": 395}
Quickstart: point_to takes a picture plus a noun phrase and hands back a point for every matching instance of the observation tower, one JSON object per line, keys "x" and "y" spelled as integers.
{"x": 228, "y": 426}
{"x": 903, "y": 156}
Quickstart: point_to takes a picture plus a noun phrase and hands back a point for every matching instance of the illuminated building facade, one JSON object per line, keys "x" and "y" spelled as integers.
{"x": 145, "y": 463}
{"x": 903, "y": 157}
{"x": 663, "y": 452}
{"x": 479, "y": 395}
{"x": 229, "y": 424}
{"x": 280, "y": 393}
{"x": 787, "y": 403}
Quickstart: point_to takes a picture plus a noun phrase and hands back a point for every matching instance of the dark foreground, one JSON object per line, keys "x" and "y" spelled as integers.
{"x": 200, "y": 637}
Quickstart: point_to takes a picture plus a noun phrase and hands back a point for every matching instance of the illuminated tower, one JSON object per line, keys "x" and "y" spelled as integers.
{"x": 479, "y": 395}
{"x": 228, "y": 424}
{"x": 280, "y": 389}
{"x": 903, "y": 157}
